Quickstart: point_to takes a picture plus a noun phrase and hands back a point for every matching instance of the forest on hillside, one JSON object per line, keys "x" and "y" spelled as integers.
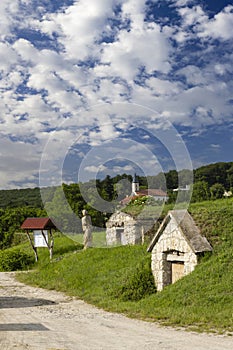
{"x": 101, "y": 197}
{"x": 116, "y": 187}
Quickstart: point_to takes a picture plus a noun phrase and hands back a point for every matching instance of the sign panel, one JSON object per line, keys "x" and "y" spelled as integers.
{"x": 39, "y": 240}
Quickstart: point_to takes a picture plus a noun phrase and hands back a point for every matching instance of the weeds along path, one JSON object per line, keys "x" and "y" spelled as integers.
{"x": 38, "y": 319}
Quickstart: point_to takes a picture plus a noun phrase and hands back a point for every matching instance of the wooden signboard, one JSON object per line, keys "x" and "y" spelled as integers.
{"x": 40, "y": 240}
{"x": 42, "y": 234}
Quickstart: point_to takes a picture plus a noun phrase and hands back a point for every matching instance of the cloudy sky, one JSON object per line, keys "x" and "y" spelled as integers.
{"x": 96, "y": 87}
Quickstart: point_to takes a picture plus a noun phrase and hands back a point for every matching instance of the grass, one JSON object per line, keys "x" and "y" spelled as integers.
{"x": 201, "y": 301}
{"x": 99, "y": 238}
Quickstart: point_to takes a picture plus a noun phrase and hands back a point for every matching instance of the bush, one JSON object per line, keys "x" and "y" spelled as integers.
{"x": 217, "y": 191}
{"x": 201, "y": 191}
{"x": 15, "y": 259}
{"x": 136, "y": 284}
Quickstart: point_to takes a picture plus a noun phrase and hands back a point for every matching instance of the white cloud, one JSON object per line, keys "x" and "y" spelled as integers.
{"x": 140, "y": 47}
{"x": 8, "y": 57}
{"x": 7, "y": 10}
{"x": 193, "y": 74}
{"x": 95, "y": 169}
{"x": 139, "y": 64}
{"x": 221, "y": 26}
{"x": 192, "y": 15}
{"x": 104, "y": 133}
{"x": 215, "y": 145}
{"x": 19, "y": 163}
{"x": 183, "y": 2}
{"x": 222, "y": 69}
{"x": 163, "y": 87}
{"x": 79, "y": 26}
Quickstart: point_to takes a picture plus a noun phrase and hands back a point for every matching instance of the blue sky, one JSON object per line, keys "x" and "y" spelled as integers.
{"x": 96, "y": 87}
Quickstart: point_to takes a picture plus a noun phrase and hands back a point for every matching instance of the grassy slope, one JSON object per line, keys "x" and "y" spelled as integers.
{"x": 202, "y": 300}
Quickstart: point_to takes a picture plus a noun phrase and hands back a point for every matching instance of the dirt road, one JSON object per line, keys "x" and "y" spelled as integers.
{"x": 37, "y": 319}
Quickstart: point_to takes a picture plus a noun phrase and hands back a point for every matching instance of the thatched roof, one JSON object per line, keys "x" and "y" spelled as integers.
{"x": 187, "y": 226}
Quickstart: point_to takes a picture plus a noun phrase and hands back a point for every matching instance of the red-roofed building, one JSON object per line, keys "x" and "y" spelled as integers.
{"x": 157, "y": 194}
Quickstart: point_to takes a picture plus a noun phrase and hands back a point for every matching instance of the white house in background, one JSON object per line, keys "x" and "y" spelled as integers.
{"x": 227, "y": 194}
{"x": 186, "y": 188}
{"x": 157, "y": 194}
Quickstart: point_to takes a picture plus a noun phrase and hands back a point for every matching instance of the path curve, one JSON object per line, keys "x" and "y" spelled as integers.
{"x": 37, "y": 319}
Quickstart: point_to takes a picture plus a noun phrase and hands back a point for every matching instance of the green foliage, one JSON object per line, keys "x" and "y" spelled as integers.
{"x": 61, "y": 212}
{"x": 215, "y": 173}
{"x": 144, "y": 207}
{"x": 11, "y": 220}
{"x": 15, "y": 259}
{"x": 63, "y": 247}
{"x": 139, "y": 201}
{"x": 172, "y": 179}
{"x": 217, "y": 191}
{"x": 159, "y": 181}
{"x": 89, "y": 274}
{"x": 122, "y": 187}
{"x": 98, "y": 239}
{"x": 107, "y": 188}
{"x": 20, "y": 198}
{"x": 201, "y": 191}
{"x": 216, "y": 221}
{"x": 137, "y": 283}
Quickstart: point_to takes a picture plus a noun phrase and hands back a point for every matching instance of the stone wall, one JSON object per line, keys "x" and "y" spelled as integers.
{"x": 171, "y": 248}
{"x": 123, "y": 229}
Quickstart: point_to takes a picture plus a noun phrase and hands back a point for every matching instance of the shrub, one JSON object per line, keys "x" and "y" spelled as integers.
{"x": 136, "y": 284}
{"x": 201, "y": 191}
{"x": 15, "y": 259}
{"x": 217, "y": 191}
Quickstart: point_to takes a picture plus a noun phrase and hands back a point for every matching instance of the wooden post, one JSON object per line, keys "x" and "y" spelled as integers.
{"x": 32, "y": 245}
{"x": 49, "y": 245}
{"x": 143, "y": 235}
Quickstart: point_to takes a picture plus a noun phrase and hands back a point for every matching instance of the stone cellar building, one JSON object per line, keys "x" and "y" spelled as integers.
{"x": 122, "y": 229}
{"x": 175, "y": 248}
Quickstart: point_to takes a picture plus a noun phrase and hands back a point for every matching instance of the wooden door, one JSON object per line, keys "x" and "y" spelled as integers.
{"x": 177, "y": 271}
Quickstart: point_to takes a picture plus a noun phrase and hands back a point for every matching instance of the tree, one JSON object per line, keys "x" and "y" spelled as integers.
{"x": 217, "y": 191}
{"x": 158, "y": 181}
{"x": 230, "y": 177}
{"x": 185, "y": 177}
{"x": 201, "y": 191}
{"x": 107, "y": 188}
{"x": 213, "y": 173}
{"x": 62, "y": 214}
{"x": 11, "y": 220}
{"x": 172, "y": 179}
{"x": 122, "y": 188}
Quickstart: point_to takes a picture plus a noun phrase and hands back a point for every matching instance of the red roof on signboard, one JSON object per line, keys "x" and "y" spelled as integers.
{"x": 37, "y": 224}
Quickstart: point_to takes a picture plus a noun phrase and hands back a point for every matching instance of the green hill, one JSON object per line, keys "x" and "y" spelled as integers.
{"x": 119, "y": 279}
{"x": 221, "y": 173}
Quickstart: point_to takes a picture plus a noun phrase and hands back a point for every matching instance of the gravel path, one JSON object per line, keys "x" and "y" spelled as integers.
{"x": 38, "y": 319}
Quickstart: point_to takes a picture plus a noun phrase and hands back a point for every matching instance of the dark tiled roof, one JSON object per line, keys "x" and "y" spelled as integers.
{"x": 191, "y": 232}
{"x": 37, "y": 224}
